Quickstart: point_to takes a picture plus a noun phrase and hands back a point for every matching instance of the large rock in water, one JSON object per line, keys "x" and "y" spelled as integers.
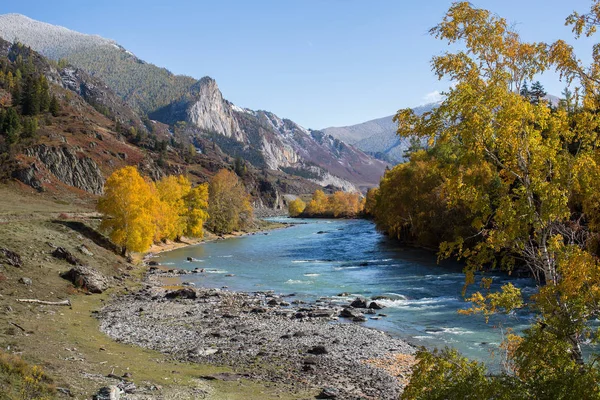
{"x": 86, "y": 278}
{"x": 359, "y": 302}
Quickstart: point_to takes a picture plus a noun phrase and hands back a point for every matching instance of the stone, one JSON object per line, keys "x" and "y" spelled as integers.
{"x": 85, "y": 250}
{"x": 12, "y": 258}
{"x": 359, "y": 302}
{"x": 359, "y": 318}
{"x": 376, "y": 306}
{"x": 153, "y": 263}
{"x": 318, "y": 350}
{"x": 343, "y": 294}
{"x": 108, "y": 393}
{"x": 349, "y": 312}
{"x": 272, "y": 302}
{"x": 26, "y": 281}
{"x": 328, "y": 393}
{"x": 63, "y": 254}
{"x": 86, "y": 278}
{"x": 185, "y": 293}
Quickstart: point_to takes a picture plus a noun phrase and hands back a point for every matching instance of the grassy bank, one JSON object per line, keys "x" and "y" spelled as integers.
{"x": 65, "y": 341}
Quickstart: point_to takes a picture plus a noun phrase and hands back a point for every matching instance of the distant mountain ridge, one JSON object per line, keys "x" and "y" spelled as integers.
{"x": 378, "y": 136}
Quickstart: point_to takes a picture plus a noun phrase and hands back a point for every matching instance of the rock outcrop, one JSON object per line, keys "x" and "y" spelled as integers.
{"x": 86, "y": 278}
{"x": 67, "y": 167}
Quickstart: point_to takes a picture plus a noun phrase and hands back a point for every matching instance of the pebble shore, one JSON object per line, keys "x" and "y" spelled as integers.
{"x": 265, "y": 336}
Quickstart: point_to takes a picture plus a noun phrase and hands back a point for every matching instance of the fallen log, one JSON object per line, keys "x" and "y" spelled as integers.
{"x": 47, "y": 303}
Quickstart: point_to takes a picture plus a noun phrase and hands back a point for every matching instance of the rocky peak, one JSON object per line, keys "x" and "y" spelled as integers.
{"x": 210, "y": 111}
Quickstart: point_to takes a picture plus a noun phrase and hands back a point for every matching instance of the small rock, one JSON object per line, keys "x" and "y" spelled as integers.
{"x": 85, "y": 250}
{"x": 154, "y": 263}
{"x": 190, "y": 259}
{"x": 185, "y": 293}
{"x": 12, "y": 258}
{"x": 258, "y": 310}
{"x": 108, "y": 393}
{"x": 359, "y": 302}
{"x": 376, "y": 306}
{"x": 272, "y": 302}
{"x": 26, "y": 281}
{"x": 229, "y": 275}
{"x": 328, "y": 393}
{"x": 284, "y": 304}
{"x": 318, "y": 350}
{"x": 343, "y": 294}
{"x": 359, "y": 318}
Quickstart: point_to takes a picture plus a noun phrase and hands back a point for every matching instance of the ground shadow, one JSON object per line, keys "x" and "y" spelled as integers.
{"x": 90, "y": 233}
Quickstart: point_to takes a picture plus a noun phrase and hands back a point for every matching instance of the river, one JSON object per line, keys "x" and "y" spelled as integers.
{"x": 323, "y": 258}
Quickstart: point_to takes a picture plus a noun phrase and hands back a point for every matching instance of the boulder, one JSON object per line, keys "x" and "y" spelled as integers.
{"x": 12, "y": 258}
{"x": 185, "y": 293}
{"x": 359, "y": 302}
{"x": 328, "y": 393}
{"x": 376, "y": 306}
{"x": 25, "y": 281}
{"x": 108, "y": 393}
{"x": 349, "y": 312}
{"x": 359, "y": 318}
{"x": 86, "y": 278}
{"x": 63, "y": 254}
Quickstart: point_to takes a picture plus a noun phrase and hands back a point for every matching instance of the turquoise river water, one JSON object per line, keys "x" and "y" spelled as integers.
{"x": 323, "y": 258}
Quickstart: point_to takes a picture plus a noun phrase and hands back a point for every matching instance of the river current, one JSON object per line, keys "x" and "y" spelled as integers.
{"x": 324, "y": 258}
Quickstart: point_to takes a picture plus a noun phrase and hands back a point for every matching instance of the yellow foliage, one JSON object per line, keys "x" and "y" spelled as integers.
{"x": 338, "y": 205}
{"x": 296, "y": 207}
{"x": 138, "y": 211}
{"x": 128, "y": 210}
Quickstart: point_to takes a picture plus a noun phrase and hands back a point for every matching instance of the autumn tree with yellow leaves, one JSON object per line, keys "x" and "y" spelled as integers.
{"x": 296, "y": 207}
{"x": 229, "y": 204}
{"x": 138, "y": 212}
{"x": 128, "y": 211}
{"x": 516, "y": 182}
{"x": 337, "y": 205}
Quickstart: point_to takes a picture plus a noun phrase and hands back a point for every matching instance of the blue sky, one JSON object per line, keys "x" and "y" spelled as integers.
{"x": 318, "y": 62}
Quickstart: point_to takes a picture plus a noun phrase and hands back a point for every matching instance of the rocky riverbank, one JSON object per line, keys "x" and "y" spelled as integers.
{"x": 264, "y": 336}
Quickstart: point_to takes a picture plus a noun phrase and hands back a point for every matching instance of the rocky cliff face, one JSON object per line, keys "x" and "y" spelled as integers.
{"x": 66, "y": 166}
{"x": 205, "y": 108}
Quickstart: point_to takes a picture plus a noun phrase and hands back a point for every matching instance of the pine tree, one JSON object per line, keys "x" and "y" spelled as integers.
{"x": 54, "y": 107}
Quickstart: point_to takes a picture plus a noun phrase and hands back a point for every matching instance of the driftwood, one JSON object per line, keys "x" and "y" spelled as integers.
{"x": 47, "y": 303}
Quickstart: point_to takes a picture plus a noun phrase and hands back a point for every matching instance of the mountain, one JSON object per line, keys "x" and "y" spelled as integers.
{"x": 144, "y": 86}
{"x": 260, "y": 137}
{"x": 267, "y": 140}
{"x": 378, "y": 137}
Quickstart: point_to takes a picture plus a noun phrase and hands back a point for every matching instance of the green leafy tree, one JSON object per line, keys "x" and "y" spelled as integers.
{"x": 527, "y": 177}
